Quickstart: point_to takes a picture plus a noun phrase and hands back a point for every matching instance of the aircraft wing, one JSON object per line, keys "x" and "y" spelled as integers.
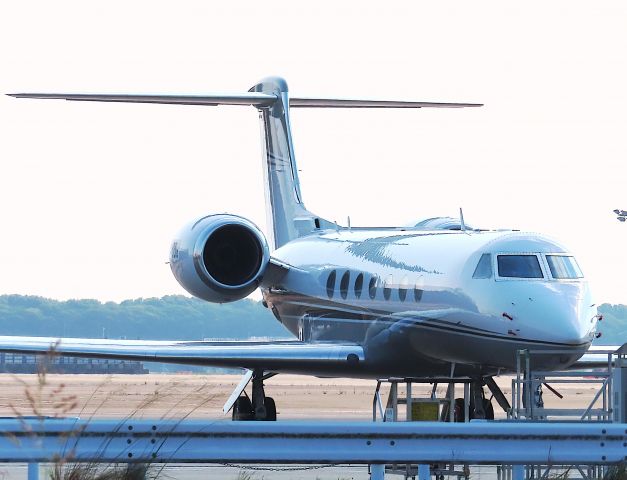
{"x": 277, "y": 356}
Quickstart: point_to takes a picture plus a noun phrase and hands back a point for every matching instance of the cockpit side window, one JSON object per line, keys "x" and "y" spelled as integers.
{"x": 564, "y": 267}
{"x": 484, "y": 267}
{"x": 519, "y": 266}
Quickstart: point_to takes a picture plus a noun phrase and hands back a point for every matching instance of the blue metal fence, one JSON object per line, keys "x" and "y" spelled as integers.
{"x": 204, "y": 441}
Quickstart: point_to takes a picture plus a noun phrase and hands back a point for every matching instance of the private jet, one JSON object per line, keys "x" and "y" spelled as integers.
{"x": 439, "y": 299}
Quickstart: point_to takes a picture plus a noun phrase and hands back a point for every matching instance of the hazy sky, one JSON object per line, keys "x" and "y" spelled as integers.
{"x": 92, "y": 193}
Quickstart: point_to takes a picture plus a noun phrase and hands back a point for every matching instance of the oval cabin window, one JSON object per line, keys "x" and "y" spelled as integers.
{"x": 359, "y": 284}
{"x": 372, "y": 288}
{"x": 402, "y": 290}
{"x": 387, "y": 288}
{"x": 331, "y": 284}
{"x": 344, "y": 284}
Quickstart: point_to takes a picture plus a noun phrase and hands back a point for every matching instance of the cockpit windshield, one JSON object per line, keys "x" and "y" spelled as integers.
{"x": 563, "y": 267}
{"x": 519, "y": 266}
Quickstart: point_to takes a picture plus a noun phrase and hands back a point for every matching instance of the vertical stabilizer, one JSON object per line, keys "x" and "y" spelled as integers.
{"x": 286, "y": 214}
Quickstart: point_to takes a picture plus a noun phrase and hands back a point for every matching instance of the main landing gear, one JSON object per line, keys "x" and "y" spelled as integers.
{"x": 260, "y": 407}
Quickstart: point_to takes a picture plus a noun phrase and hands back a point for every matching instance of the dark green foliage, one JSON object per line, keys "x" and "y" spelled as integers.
{"x": 613, "y": 326}
{"x": 173, "y": 317}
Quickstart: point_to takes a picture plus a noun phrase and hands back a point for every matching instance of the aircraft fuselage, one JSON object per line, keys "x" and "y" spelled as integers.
{"x": 409, "y": 297}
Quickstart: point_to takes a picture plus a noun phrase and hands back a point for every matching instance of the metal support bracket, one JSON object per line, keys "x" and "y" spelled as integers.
{"x": 248, "y": 374}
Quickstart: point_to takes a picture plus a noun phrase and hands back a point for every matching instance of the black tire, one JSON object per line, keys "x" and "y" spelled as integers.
{"x": 488, "y": 409}
{"x": 242, "y": 409}
{"x": 459, "y": 410}
{"x": 270, "y": 409}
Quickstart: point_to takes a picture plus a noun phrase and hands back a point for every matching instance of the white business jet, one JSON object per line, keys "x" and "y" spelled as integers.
{"x": 439, "y": 299}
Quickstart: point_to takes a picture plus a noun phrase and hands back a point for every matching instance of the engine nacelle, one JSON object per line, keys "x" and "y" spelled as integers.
{"x": 220, "y": 258}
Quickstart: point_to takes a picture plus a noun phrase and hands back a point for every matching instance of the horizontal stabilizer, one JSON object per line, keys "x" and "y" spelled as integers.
{"x": 255, "y": 99}
{"x": 356, "y": 103}
{"x": 248, "y": 98}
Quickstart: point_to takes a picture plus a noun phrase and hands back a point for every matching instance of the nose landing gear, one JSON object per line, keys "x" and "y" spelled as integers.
{"x": 480, "y": 407}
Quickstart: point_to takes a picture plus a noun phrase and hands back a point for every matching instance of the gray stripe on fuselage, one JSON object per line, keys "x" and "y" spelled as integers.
{"x": 332, "y": 311}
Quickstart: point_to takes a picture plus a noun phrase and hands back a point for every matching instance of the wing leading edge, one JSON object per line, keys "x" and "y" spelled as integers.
{"x": 279, "y": 356}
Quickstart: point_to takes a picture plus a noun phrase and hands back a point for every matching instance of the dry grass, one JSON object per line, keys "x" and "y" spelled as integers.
{"x": 617, "y": 472}
{"x": 93, "y": 471}
{"x": 45, "y": 399}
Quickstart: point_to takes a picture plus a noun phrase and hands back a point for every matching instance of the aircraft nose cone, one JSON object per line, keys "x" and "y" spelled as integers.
{"x": 563, "y": 313}
{"x": 571, "y": 331}
{"x": 576, "y": 321}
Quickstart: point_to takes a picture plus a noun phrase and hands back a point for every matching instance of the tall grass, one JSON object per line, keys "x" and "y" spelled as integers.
{"x": 44, "y": 400}
{"x": 617, "y": 472}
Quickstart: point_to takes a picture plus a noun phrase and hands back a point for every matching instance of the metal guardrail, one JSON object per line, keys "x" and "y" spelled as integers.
{"x": 164, "y": 441}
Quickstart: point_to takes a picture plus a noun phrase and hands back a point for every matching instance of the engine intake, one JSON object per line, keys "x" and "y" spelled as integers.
{"x": 220, "y": 258}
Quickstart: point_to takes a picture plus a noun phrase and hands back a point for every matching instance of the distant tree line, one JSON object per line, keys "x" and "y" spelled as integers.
{"x": 613, "y": 327}
{"x": 176, "y": 317}
{"x": 173, "y": 317}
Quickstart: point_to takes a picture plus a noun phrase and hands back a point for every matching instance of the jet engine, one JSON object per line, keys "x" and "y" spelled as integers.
{"x": 220, "y": 258}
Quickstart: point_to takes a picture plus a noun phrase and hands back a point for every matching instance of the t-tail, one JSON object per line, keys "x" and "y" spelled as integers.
{"x": 287, "y": 216}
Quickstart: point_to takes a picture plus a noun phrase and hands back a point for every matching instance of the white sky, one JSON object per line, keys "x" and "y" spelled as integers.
{"x": 92, "y": 194}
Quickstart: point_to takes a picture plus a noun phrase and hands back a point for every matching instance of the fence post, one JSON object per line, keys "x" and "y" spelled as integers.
{"x": 424, "y": 472}
{"x": 518, "y": 472}
{"x": 377, "y": 471}
{"x": 33, "y": 471}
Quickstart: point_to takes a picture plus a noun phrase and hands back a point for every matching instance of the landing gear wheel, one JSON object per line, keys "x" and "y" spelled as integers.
{"x": 488, "y": 409}
{"x": 270, "y": 410}
{"x": 242, "y": 409}
{"x": 459, "y": 410}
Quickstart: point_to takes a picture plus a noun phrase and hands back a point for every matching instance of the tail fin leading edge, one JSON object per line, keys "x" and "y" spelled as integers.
{"x": 287, "y": 216}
